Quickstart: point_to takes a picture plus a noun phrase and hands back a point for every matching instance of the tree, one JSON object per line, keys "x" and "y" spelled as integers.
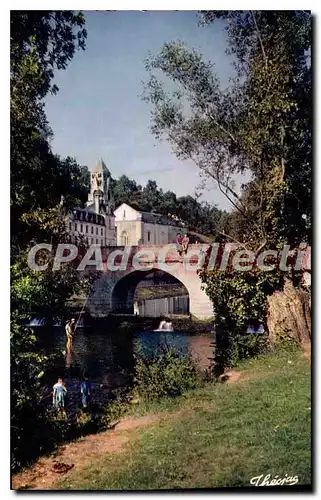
{"x": 200, "y": 217}
{"x": 41, "y": 42}
{"x": 261, "y": 125}
{"x": 151, "y": 197}
{"x": 125, "y": 190}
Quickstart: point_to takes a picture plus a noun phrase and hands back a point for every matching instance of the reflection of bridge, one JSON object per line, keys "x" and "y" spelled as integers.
{"x": 114, "y": 290}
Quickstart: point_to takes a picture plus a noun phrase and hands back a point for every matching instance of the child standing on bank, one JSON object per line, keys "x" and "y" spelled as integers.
{"x": 59, "y": 395}
{"x": 85, "y": 389}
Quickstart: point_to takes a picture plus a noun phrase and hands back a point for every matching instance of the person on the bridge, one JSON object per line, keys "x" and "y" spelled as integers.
{"x": 179, "y": 241}
{"x": 59, "y": 395}
{"x": 85, "y": 389}
{"x": 185, "y": 243}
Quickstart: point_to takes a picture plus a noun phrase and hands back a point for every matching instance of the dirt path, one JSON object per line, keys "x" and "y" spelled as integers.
{"x": 75, "y": 455}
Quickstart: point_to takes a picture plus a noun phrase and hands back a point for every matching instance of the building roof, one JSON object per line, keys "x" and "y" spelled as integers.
{"x": 89, "y": 208}
{"x": 89, "y": 214}
{"x": 154, "y": 218}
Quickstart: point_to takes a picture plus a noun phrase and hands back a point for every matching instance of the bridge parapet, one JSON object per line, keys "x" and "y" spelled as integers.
{"x": 152, "y": 253}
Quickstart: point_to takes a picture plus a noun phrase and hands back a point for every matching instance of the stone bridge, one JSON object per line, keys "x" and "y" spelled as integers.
{"x": 124, "y": 267}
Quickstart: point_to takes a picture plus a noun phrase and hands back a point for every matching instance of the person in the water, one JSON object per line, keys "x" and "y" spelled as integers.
{"x": 85, "y": 389}
{"x": 70, "y": 330}
{"x": 59, "y": 395}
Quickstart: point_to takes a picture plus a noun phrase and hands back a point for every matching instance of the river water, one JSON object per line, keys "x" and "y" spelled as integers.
{"x": 108, "y": 356}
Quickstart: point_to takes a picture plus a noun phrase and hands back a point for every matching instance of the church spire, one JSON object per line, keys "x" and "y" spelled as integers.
{"x": 101, "y": 167}
{"x": 100, "y": 190}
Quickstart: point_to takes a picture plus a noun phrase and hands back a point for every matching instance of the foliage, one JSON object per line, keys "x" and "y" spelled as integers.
{"x": 29, "y": 397}
{"x": 217, "y": 436}
{"x": 41, "y": 42}
{"x": 199, "y": 216}
{"x": 255, "y": 125}
{"x": 260, "y": 125}
{"x": 169, "y": 374}
{"x": 240, "y": 299}
{"x": 286, "y": 343}
{"x": 231, "y": 350}
{"x": 240, "y": 296}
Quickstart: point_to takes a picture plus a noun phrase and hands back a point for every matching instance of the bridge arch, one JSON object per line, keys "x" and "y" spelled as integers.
{"x": 123, "y": 292}
{"x": 114, "y": 290}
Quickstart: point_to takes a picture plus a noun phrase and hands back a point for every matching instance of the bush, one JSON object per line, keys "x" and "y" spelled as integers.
{"x": 248, "y": 346}
{"x": 169, "y": 374}
{"x": 230, "y": 349}
{"x": 286, "y": 343}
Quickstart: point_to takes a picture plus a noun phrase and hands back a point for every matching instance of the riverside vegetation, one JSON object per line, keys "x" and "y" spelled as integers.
{"x": 209, "y": 435}
{"x": 261, "y": 125}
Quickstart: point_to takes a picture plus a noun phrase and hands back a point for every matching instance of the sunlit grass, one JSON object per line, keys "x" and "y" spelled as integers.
{"x": 216, "y": 436}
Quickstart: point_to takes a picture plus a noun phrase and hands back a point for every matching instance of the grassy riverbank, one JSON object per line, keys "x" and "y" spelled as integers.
{"x": 220, "y": 435}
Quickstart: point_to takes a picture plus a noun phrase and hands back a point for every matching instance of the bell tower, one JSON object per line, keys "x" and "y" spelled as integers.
{"x": 100, "y": 190}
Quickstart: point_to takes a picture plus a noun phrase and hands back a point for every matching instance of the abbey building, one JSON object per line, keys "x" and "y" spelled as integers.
{"x": 95, "y": 224}
{"x": 100, "y": 223}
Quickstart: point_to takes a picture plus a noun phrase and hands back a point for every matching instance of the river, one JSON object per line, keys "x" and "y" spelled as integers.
{"x": 108, "y": 356}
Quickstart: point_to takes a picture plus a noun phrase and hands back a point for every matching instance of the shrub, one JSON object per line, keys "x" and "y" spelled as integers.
{"x": 230, "y": 349}
{"x": 286, "y": 342}
{"x": 248, "y": 346}
{"x": 169, "y": 374}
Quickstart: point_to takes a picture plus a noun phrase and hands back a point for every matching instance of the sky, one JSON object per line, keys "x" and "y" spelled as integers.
{"x": 98, "y": 111}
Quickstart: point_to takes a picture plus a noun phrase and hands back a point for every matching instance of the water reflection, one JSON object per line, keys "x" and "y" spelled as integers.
{"x": 108, "y": 356}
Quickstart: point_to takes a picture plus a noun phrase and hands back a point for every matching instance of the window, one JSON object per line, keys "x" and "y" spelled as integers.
{"x": 96, "y": 241}
{"x": 69, "y": 226}
{"x": 92, "y": 229}
{"x": 101, "y": 231}
{"x": 92, "y": 241}
{"x": 124, "y": 238}
{"x": 81, "y": 228}
{"x": 148, "y": 235}
{"x": 124, "y": 214}
{"x": 86, "y": 228}
{"x": 75, "y": 226}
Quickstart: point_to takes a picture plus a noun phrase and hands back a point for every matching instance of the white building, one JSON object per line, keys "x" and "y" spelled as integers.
{"x": 135, "y": 227}
{"x": 95, "y": 224}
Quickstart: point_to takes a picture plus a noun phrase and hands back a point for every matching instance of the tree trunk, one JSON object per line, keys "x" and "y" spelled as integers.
{"x": 289, "y": 314}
